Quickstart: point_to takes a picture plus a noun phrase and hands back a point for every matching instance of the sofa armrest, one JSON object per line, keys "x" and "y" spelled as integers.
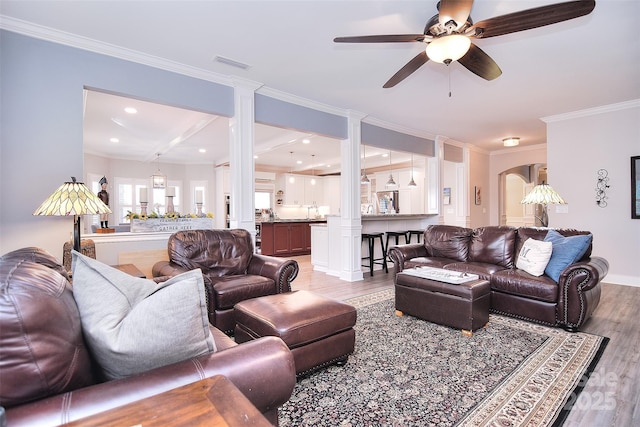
{"x": 263, "y": 370}
{"x": 281, "y": 270}
{"x": 401, "y": 253}
{"x": 579, "y": 288}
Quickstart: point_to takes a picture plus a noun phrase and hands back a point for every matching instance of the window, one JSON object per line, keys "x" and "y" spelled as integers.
{"x": 263, "y": 200}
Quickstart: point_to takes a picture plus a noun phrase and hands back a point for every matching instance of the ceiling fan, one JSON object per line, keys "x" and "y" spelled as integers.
{"x": 448, "y": 35}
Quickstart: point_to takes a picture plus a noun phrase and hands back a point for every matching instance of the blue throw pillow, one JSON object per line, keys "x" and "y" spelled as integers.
{"x": 566, "y": 251}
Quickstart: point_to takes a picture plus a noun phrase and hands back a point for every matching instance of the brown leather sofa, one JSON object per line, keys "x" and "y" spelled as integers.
{"x": 491, "y": 252}
{"x": 232, "y": 272}
{"x": 47, "y": 374}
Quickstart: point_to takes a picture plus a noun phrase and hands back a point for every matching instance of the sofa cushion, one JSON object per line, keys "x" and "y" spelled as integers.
{"x": 133, "y": 325}
{"x": 435, "y": 262}
{"x": 534, "y": 256}
{"x": 493, "y": 245}
{"x": 448, "y": 241}
{"x": 230, "y": 290}
{"x": 566, "y": 251}
{"x": 42, "y": 350}
{"x": 521, "y": 283}
{"x": 215, "y": 252}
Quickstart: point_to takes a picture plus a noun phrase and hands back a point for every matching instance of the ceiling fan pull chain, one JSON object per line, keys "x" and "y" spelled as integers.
{"x": 449, "y": 73}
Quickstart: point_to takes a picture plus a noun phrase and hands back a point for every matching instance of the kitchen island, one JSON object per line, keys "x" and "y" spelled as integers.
{"x": 326, "y": 251}
{"x": 287, "y": 237}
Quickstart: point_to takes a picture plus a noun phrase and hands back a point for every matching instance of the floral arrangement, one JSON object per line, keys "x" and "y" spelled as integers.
{"x": 172, "y": 215}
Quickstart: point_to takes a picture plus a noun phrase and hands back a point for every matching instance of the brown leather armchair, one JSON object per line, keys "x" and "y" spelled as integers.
{"x": 231, "y": 271}
{"x": 47, "y": 374}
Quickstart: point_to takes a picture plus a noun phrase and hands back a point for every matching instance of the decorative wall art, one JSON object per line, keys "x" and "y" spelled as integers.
{"x": 478, "y": 196}
{"x": 601, "y": 187}
{"x": 446, "y": 195}
{"x": 635, "y": 187}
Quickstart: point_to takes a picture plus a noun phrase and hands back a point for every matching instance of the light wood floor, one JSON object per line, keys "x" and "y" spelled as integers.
{"x": 610, "y": 398}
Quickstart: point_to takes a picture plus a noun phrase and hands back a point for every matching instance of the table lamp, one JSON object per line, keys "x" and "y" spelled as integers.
{"x": 543, "y": 194}
{"x": 73, "y": 198}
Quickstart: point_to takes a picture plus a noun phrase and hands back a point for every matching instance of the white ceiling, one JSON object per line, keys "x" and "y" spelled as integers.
{"x": 584, "y": 63}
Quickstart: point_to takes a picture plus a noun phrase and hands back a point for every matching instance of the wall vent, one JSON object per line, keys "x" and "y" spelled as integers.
{"x": 231, "y": 62}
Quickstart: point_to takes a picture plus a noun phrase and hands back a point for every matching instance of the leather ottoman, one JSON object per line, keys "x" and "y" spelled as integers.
{"x": 463, "y": 306}
{"x": 318, "y": 330}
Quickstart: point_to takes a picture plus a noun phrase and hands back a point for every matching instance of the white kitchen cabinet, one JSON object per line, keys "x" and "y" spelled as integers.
{"x": 313, "y": 191}
{"x": 293, "y": 189}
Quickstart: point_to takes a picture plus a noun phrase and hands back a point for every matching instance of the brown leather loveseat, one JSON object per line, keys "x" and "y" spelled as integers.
{"x": 492, "y": 253}
{"x": 48, "y": 375}
{"x": 232, "y": 272}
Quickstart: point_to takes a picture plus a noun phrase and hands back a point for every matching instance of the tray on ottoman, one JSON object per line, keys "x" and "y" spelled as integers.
{"x": 318, "y": 330}
{"x": 462, "y": 305}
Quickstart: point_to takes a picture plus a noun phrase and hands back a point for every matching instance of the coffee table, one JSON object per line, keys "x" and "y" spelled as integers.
{"x": 213, "y": 402}
{"x": 463, "y": 304}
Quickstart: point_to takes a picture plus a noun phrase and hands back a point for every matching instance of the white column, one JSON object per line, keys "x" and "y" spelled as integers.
{"x": 241, "y": 163}
{"x": 350, "y": 221}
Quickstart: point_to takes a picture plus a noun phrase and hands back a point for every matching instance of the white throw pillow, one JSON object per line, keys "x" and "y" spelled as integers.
{"x": 534, "y": 256}
{"x": 132, "y": 325}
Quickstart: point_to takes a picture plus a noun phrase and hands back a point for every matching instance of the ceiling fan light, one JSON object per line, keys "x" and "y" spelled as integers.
{"x": 448, "y": 48}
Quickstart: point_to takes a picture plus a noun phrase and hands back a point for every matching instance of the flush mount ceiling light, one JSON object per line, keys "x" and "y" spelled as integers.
{"x": 449, "y": 48}
{"x": 511, "y": 141}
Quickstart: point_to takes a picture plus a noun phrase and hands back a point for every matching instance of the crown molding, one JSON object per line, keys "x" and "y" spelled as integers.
{"x": 304, "y": 102}
{"x": 634, "y": 103}
{"x": 84, "y": 43}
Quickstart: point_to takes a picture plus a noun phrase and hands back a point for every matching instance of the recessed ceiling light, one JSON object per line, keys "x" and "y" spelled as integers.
{"x": 299, "y": 162}
{"x": 203, "y": 150}
{"x": 305, "y": 141}
{"x": 385, "y": 155}
{"x": 130, "y": 110}
{"x": 114, "y": 140}
{"x": 255, "y": 156}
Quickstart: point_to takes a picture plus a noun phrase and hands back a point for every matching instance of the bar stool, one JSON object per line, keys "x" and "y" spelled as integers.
{"x": 418, "y": 233}
{"x": 397, "y": 235}
{"x": 371, "y": 240}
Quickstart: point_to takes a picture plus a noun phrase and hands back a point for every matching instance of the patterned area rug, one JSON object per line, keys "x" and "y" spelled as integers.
{"x": 409, "y": 372}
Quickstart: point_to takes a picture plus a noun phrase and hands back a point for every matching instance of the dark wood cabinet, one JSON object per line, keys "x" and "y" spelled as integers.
{"x": 288, "y": 238}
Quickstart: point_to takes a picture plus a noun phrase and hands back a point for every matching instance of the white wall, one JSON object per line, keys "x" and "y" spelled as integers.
{"x": 578, "y": 145}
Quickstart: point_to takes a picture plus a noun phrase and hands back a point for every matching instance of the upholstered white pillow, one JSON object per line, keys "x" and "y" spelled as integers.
{"x": 132, "y": 325}
{"x": 534, "y": 256}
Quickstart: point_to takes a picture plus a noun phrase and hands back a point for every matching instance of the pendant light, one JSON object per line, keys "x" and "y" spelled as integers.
{"x": 313, "y": 171}
{"x": 364, "y": 179}
{"x": 390, "y": 182}
{"x": 291, "y": 177}
{"x": 158, "y": 179}
{"x": 412, "y": 183}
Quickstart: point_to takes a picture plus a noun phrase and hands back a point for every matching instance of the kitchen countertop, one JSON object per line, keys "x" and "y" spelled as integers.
{"x": 275, "y": 221}
{"x": 394, "y": 216}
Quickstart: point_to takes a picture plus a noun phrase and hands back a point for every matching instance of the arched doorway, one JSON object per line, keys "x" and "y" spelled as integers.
{"x": 514, "y": 185}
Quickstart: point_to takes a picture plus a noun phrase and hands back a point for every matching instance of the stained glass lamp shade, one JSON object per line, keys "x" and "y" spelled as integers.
{"x": 73, "y": 198}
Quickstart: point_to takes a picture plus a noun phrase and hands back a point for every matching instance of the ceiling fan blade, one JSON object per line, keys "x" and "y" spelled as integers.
{"x": 404, "y": 72}
{"x": 480, "y": 64}
{"x": 533, "y": 18}
{"x": 392, "y": 38}
{"x": 456, "y": 10}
